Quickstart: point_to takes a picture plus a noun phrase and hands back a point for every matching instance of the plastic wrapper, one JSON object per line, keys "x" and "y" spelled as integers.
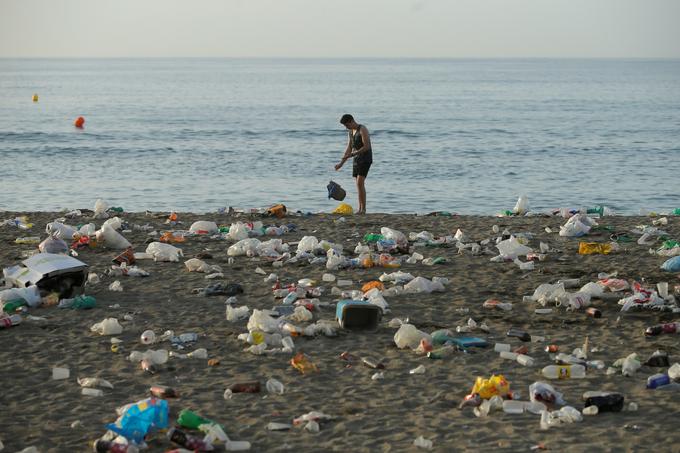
{"x": 495, "y": 385}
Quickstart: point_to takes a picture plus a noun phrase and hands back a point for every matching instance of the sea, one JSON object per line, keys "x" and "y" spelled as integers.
{"x": 468, "y": 136}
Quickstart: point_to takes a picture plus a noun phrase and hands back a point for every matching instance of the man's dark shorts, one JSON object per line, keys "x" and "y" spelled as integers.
{"x": 360, "y": 169}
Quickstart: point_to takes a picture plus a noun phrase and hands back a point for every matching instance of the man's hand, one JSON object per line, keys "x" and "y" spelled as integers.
{"x": 338, "y": 166}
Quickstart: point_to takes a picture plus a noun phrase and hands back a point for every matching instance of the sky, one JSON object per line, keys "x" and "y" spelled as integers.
{"x": 340, "y": 28}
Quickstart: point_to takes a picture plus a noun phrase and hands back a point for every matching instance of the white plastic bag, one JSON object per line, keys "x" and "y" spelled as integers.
{"x": 100, "y": 207}
{"x": 196, "y": 265}
{"x": 423, "y": 285}
{"x": 112, "y": 238}
{"x": 53, "y": 245}
{"x": 408, "y": 336}
{"x": 260, "y": 320}
{"x": 334, "y": 260}
{"x": 522, "y": 205}
{"x": 204, "y": 227}
{"x": 395, "y": 235}
{"x": 109, "y": 326}
{"x": 164, "y": 252}
{"x": 238, "y": 231}
{"x": 60, "y": 230}
{"x": 307, "y": 244}
{"x": 237, "y": 313}
{"x": 244, "y": 247}
{"x": 511, "y": 248}
{"x": 114, "y": 222}
{"x": 30, "y": 294}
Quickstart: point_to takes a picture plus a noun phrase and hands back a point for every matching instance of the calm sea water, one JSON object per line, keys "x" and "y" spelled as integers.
{"x": 461, "y": 135}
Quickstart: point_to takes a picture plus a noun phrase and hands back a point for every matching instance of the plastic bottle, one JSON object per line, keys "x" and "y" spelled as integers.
{"x": 162, "y": 391}
{"x": 245, "y": 387}
{"x": 521, "y": 334}
{"x": 189, "y": 442}
{"x": 190, "y": 420}
{"x": 200, "y": 353}
{"x": 671, "y": 327}
{"x": 9, "y": 321}
{"x": 564, "y": 371}
{"x": 658, "y": 380}
{"x": 28, "y": 240}
{"x": 439, "y": 353}
{"x": 513, "y": 407}
{"x": 525, "y": 360}
{"x": 500, "y": 347}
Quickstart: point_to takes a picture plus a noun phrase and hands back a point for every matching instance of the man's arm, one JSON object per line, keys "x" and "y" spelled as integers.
{"x": 348, "y": 153}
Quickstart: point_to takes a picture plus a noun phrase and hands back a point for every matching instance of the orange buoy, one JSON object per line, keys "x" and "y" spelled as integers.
{"x": 35, "y": 97}
{"x": 79, "y": 121}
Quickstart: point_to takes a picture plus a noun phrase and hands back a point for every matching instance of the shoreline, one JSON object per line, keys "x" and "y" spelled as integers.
{"x": 368, "y": 415}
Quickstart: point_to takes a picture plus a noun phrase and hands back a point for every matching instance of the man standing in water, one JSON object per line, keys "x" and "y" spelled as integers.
{"x": 359, "y": 147}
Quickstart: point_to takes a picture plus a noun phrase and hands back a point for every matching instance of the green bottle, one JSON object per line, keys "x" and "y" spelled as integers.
{"x": 598, "y": 210}
{"x": 191, "y": 420}
{"x": 676, "y": 211}
{"x": 373, "y": 237}
{"x": 12, "y": 305}
{"x": 671, "y": 244}
{"x": 116, "y": 209}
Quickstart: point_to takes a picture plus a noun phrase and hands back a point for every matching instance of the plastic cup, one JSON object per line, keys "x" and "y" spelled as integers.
{"x": 148, "y": 337}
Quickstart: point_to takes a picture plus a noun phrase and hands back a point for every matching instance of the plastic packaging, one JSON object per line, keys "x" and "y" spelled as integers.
{"x": 672, "y": 265}
{"x": 594, "y": 248}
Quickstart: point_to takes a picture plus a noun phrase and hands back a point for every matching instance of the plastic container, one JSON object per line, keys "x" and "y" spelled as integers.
{"x": 358, "y": 314}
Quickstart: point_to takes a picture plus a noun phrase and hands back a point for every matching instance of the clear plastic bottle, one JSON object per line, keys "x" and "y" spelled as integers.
{"x": 564, "y": 371}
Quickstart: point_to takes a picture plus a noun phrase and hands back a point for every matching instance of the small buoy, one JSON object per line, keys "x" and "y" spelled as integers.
{"x": 79, "y": 121}
{"x": 35, "y": 98}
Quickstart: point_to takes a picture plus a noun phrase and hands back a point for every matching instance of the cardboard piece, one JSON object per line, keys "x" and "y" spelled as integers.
{"x": 51, "y": 273}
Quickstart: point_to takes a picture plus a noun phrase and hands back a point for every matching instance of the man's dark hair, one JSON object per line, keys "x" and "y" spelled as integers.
{"x": 346, "y": 118}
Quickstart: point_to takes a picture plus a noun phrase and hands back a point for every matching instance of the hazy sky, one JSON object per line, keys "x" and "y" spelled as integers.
{"x": 340, "y": 28}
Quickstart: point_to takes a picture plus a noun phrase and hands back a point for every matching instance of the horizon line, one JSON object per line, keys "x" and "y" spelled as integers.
{"x": 89, "y": 57}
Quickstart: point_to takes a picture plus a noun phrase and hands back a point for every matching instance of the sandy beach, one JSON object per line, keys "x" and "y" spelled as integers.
{"x": 367, "y": 415}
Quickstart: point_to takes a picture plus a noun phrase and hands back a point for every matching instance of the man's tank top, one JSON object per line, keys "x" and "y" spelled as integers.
{"x": 365, "y": 157}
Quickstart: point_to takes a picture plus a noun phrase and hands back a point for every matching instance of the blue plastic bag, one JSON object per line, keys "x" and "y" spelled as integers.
{"x": 672, "y": 265}
{"x": 141, "y": 418}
